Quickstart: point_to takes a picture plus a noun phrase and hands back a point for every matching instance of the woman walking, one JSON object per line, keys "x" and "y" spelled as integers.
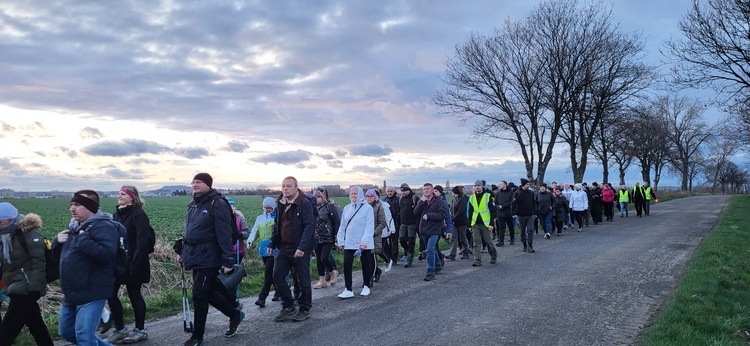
{"x": 262, "y": 230}
{"x": 325, "y": 228}
{"x": 355, "y": 237}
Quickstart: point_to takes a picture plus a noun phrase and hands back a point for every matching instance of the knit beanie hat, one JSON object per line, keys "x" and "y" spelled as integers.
{"x": 8, "y": 211}
{"x": 524, "y": 181}
{"x": 269, "y": 201}
{"x": 478, "y": 182}
{"x": 204, "y": 177}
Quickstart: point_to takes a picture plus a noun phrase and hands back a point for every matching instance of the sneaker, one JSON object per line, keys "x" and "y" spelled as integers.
{"x": 429, "y": 277}
{"x": 531, "y": 249}
{"x": 452, "y": 258}
{"x": 104, "y": 327}
{"x": 404, "y": 258}
{"x": 408, "y": 264}
{"x": 546, "y": 235}
{"x": 261, "y": 303}
{"x": 365, "y": 291}
{"x": 193, "y": 342}
{"x": 233, "y": 325}
{"x": 389, "y": 266}
{"x": 275, "y": 298}
{"x": 499, "y": 244}
{"x": 346, "y": 294}
{"x": 465, "y": 257}
{"x": 477, "y": 263}
{"x": 118, "y": 335}
{"x": 301, "y": 315}
{"x": 135, "y": 336}
{"x": 512, "y": 242}
{"x": 285, "y": 313}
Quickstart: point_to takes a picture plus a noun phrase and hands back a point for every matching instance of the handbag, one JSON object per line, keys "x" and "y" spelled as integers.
{"x": 231, "y": 280}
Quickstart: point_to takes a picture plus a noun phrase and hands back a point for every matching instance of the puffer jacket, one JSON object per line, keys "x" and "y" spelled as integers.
{"x": 24, "y": 272}
{"x": 207, "y": 241}
{"x": 138, "y": 225}
{"x": 380, "y": 223}
{"x": 87, "y": 260}
{"x": 327, "y": 224}
{"x": 579, "y": 201}
{"x": 504, "y": 199}
{"x": 560, "y": 206}
{"x": 543, "y": 203}
{"x": 357, "y": 225}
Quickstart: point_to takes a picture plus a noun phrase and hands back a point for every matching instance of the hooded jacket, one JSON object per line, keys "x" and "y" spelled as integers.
{"x": 459, "y": 209}
{"x": 263, "y": 228}
{"x": 543, "y": 202}
{"x": 137, "y": 224}
{"x": 436, "y": 210}
{"x": 406, "y": 208}
{"x": 25, "y": 272}
{"x": 298, "y": 214}
{"x": 524, "y": 202}
{"x": 207, "y": 241}
{"x": 357, "y": 224}
{"x": 328, "y": 223}
{"x": 608, "y": 195}
{"x": 579, "y": 200}
{"x": 87, "y": 260}
{"x": 380, "y": 223}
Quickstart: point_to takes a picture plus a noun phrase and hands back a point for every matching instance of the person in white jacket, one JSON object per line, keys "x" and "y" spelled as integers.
{"x": 355, "y": 237}
{"x": 578, "y": 203}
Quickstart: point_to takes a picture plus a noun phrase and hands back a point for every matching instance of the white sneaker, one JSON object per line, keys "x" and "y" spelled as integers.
{"x": 365, "y": 291}
{"x": 388, "y": 267}
{"x": 346, "y": 294}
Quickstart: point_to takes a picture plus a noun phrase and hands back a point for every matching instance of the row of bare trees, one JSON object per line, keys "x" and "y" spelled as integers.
{"x": 567, "y": 75}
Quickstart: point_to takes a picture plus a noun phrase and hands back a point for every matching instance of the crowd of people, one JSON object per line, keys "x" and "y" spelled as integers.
{"x": 289, "y": 230}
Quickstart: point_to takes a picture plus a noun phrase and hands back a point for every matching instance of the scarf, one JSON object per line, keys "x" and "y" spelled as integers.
{"x": 6, "y": 233}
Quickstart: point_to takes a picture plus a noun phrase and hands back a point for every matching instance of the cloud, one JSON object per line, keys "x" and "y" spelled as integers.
{"x": 70, "y": 152}
{"x": 382, "y": 160}
{"x": 40, "y": 153}
{"x": 90, "y": 132}
{"x": 192, "y": 153}
{"x": 340, "y": 153}
{"x": 116, "y": 173}
{"x": 284, "y": 158}
{"x": 325, "y": 156}
{"x": 370, "y": 150}
{"x": 142, "y": 161}
{"x": 236, "y": 146}
{"x": 126, "y": 147}
{"x": 335, "y": 163}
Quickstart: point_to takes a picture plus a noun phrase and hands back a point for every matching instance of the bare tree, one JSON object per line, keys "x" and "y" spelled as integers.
{"x": 686, "y": 131}
{"x": 720, "y": 149}
{"x": 646, "y": 131}
{"x": 494, "y": 81}
{"x": 619, "y": 146}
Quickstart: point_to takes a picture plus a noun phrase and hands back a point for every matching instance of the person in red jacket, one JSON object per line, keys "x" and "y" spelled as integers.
{"x": 608, "y": 201}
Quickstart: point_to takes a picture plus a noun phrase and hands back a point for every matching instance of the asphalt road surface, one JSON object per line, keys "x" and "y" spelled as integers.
{"x": 600, "y": 286}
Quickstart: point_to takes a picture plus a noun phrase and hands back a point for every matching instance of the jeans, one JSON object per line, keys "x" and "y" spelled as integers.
{"x": 433, "y": 262}
{"x": 623, "y": 208}
{"x": 527, "y": 229}
{"x": 284, "y": 262}
{"x": 647, "y": 206}
{"x": 78, "y": 323}
{"x": 546, "y": 221}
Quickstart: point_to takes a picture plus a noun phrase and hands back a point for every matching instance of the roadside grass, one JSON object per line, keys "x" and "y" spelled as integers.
{"x": 711, "y": 306}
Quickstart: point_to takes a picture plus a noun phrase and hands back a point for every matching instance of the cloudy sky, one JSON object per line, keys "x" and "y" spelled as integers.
{"x": 100, "y": 94}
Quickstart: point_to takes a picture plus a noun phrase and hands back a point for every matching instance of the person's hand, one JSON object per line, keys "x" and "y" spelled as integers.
{"x": 424, "y": 217}
{"x": 63, "y": 236}
{"x": 448, "y": 235}
{"x": 470, "y": 230}
{"x": 424, "y": 198}
{"x": 491, "y": 228}
{"x": 341, "y": 247}
{"x": 363, "y": 246}
{"x": 299, "y": 253}
{"x": 269, "y": 251}
{"x": 226, "y": 270}
{"x": 249, "y": 245}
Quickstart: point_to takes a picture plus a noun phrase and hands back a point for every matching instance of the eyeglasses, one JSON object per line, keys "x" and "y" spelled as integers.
{"x": 373, "y": 196}
{"x": 267, "y": 207}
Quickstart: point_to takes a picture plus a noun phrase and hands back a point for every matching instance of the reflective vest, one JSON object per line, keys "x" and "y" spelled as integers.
{"x": 480, "y": 208}
{"x": 624, "y": 196}
{"x": 647, "y": 192}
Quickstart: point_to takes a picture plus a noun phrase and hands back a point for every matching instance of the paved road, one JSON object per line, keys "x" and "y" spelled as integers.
{"x": 597, "y": 287}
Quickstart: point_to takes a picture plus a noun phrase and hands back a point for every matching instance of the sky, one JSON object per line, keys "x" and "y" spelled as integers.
{"x": 149, "y": 93}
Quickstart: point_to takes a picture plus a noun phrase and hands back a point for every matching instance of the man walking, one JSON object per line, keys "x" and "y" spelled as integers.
{"x": 639, "y": 199}
{"x": 392, "y": 199}
{"x": 432, "y": 212}
{"x": 480, "y": 222}
{"x": 504, "y": 200}
{"x": 524, "y": 203}
{"x": 206, "y": 249}
{"x": 87, "y": 254}
{"x": 409, "y": 223}
{"x": 460, "y": 223}
{"x": 648, "y": 193}
{"x": 293, "y": 236}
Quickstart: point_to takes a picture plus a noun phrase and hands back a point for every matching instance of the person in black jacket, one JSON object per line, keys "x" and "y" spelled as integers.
{"x": 207, "y": 247}
{"x": 544, "y": 209}
{"x": 87, "y": 252}
{"x": 326, "y": 227}
{"x": 293, "y": 233}
{"x": 130, "y": 214}
{"x": 460, "y": 223}
{"x": 432, "y": 211}
{"x": 23, "y": 262}
{"x": 503, "y": 200}
{"x": 409, "y": 223}
{"x": 524, "y": 205}
{"x": 393, "y": 201}
{"x": 560, "y": 210}
{"x": 595, "y": 203}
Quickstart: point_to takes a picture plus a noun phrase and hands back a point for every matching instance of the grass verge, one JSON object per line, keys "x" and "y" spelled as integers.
{"x": 711, "y": 306}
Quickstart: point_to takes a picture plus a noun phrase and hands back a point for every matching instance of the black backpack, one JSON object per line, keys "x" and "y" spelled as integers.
{"x": 236, "y": 232}
{"x": 121, "y": 257}
{"x": 52, "y": 264}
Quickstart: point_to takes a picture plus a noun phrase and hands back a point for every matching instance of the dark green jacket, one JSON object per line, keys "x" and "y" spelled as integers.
{"x": 25, "y": 271}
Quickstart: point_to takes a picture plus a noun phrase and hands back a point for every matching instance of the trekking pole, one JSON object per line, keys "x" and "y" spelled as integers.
{"x": 237, "y": 289}
{"x": 187, "y": 318}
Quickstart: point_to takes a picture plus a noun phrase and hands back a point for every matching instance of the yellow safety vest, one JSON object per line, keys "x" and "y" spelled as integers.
{"x": 624, "y": 197}
{"x": 647, "y": 192}
{"x": 480, "y": 208}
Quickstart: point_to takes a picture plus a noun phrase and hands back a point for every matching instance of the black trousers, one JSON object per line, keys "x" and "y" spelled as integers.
{"x": 208, "y": 290}
{"x": 283, "y": 265}
{"x": 502, "y": 223}
{"x": 267, "y": 278}
{"x": 23, "y": 310}
{"x": 136, "y": 300}
{"x": 323, "y": 258}
{"x": 367, "y": 260}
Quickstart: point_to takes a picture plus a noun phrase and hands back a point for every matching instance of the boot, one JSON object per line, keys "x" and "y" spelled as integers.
{"x": 531, "y": 248}
{"x": 334, "y": 277}
{"x": 321, "y": 283}
{"x": 525, "y": 248}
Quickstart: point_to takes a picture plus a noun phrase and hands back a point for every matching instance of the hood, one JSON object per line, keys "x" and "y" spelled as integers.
{"x": 29, "y": 222}
{"x": 206, "y": 196}
{"x": 12, "y": 225}
{"x": 360, "y": 195}
{"x": 96, "y": 217}
{"x": 269, "y": 201}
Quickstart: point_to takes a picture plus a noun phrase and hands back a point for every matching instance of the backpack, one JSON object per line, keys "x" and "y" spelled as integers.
{"x": 52, "y": 264}
{"x": 236, "y": 232}
{"x": 121, "y": 257}
{"x": 314, "y": 203}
